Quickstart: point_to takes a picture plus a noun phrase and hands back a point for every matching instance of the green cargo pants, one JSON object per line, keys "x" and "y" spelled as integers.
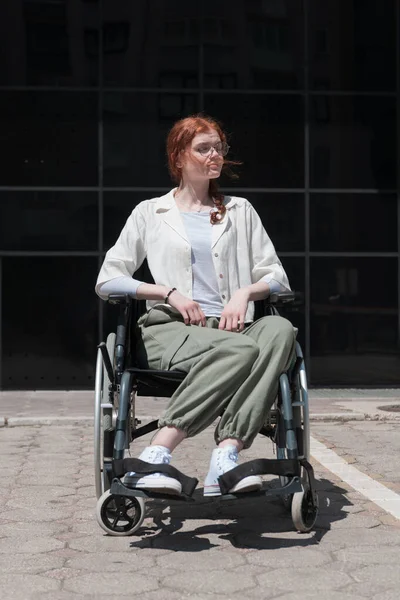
{"x": 235, "y": 374}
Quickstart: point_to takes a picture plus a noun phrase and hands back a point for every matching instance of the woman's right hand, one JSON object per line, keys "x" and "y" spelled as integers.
{"x": 189, "y": 309}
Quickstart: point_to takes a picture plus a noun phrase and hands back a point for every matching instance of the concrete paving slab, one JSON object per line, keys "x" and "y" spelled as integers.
{"x": 214, "y": 549}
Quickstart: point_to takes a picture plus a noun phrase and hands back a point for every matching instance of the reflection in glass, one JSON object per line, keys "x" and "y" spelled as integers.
{"x": 42, "y": 43}
{"x": 242, "y": 45}
{"x": 151, "y": 44}
{"x": 135, "y": 130}
{"x": 353, "y": 222}
{"x": 49, "y": 138}
{"x": 353, "y": 142}
{"x": 267, "y": 138}
{"x": 48, "y": 220}
{"x": 49, "y": 323}
{"x": 354, "y": 321}
{"x": 352, "y": 44}
{"x": 253, "y": 45}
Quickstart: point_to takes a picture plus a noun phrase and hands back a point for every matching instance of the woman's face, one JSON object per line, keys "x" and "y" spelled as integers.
{"x": 203, "y": 158}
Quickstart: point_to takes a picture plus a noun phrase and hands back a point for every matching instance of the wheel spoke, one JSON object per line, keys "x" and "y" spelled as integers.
{"x": 115, "y": 522}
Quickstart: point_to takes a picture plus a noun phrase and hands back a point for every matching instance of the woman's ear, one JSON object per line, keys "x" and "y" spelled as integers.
{"x": 180, "y": 159}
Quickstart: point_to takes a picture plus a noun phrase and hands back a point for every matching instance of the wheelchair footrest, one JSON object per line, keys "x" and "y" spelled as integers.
{"x": 286, "y": 467}
{"x": 120, "y": 489}
{"x": 121, "y": 467}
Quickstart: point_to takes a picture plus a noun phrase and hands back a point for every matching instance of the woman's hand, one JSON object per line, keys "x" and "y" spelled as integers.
{"x": 234, "y": 313}
{"x": 189, "y": 309}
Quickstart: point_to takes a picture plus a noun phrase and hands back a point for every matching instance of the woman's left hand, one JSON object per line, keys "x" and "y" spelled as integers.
{"x": 234, "y": 313}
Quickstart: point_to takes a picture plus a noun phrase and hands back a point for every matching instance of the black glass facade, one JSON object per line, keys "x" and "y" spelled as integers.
{"x": 309, "y": 93}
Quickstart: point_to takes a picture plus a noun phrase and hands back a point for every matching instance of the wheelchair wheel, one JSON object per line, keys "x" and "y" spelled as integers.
{"x": 119, "y": 516}
{"x": 304, "y": 511}
{"x": 103, "y": 417}
{"x": 302, "y": 395}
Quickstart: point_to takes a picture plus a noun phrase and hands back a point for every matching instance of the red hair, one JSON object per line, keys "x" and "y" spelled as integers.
{"x": 180, "y": 136}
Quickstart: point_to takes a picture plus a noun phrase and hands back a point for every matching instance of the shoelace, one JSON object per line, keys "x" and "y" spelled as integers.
{"x": 226, "y": 461}
{"x": 157, "y": 456}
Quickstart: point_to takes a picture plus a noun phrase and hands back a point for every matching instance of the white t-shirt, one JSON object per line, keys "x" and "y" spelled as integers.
{"x": 205, "y": 285}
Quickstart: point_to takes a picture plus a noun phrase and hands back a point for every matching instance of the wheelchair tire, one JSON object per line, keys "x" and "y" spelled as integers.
{"x": 111, "y": 350}
{"x": 304, "y": 512}
{"x": 123, "y": 520}
{"x": 102, "y": 383}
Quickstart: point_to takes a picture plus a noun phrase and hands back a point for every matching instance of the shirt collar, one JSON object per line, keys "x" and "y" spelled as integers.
{"x": 167, "y": 201}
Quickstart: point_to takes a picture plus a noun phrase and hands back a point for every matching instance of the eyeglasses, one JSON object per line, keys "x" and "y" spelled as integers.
{"x": 221, "y": 148}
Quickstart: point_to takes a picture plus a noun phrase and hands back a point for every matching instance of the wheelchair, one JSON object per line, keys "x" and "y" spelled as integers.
{"x": 120, "y": 509}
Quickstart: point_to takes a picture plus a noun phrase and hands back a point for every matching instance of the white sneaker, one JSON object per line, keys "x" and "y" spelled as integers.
{"x": 156, "y": 482}
{"x": 222, "y": 460}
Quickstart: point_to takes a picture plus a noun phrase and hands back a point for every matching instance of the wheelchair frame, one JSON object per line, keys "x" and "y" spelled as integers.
{"x": 120, "y": 509}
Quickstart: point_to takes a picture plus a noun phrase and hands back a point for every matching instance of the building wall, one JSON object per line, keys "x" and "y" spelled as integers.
{"x": 309, "y": 94}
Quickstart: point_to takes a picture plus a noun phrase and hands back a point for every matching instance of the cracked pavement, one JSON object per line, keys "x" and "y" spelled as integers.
{"x": 51, "y": 546}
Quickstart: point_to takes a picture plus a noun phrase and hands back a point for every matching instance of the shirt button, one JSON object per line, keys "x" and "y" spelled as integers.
{"x": 223, "y": 296}
{"x": 216, "y": 254}
{"x": 221, "y": 276}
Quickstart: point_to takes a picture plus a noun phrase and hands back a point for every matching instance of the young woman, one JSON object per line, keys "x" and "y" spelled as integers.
{"x": 210, "y": 258}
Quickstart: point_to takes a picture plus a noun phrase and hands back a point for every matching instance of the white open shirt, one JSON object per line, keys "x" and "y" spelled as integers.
{"x": 242, "y": 251}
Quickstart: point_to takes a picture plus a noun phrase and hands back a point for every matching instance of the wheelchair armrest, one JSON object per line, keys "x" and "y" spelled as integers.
{"x": 281, "y": 297}
{"x": 119, "y": 299}
{"x": 130, "y": 309}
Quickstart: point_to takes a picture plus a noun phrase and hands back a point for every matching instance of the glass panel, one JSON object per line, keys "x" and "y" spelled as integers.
{"x": 353, "y": 142}
{"x": 117, "y": 208}
{"x": 354, "y": 321}
{"x": 135, "y": 130}
{"x": 49, "y": 43}
{"x": 151, "y": 44}
{"x": 48, "y": 221}
{"x": 353, "y": 222}
{"x": 283, "y": 218}
{"x": 49, "y": 323}
{"x": 253, "y": 44}
{"x": 352, "y": 45}
{"x": 295, "y": 311}
{"x": 50, "y": 138}
{"x": 266, "y": 134}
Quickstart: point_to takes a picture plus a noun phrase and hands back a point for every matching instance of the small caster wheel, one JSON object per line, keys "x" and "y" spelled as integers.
{"x": 119, "y": 515}
{"x": 304, "y": 511}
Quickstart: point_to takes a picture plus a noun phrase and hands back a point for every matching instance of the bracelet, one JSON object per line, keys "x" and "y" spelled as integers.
{"x": 168, "y": 295}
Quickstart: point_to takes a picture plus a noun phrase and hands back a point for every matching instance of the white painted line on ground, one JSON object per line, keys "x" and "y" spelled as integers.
{"x": 371, "y": 489}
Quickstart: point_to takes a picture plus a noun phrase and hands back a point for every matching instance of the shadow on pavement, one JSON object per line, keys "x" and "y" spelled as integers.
{"x": 249, "y": 523}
